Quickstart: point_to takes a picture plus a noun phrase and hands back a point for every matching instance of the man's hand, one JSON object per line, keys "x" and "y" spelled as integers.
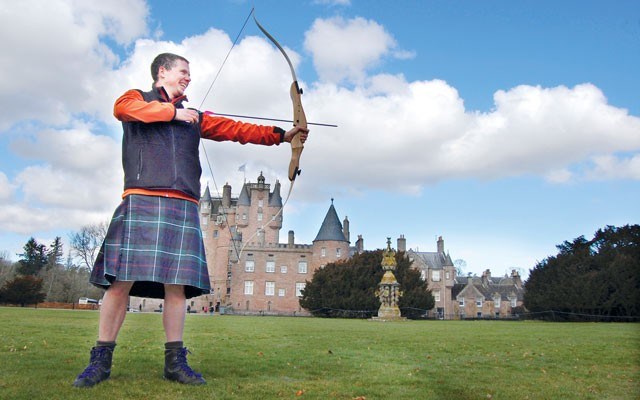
{"x": 296, "y": 130}
{"x": 187, "y": 115}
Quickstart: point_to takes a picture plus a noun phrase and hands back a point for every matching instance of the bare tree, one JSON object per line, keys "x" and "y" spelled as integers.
{"x": 86, "y": 243}
{"x": 460, "y": 265}
{"x": 7, "y": 268}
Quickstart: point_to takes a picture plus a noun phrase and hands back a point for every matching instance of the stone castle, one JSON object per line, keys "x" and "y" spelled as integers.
{"x": 252, "y": 272}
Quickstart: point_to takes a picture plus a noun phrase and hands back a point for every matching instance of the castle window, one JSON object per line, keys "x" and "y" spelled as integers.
{"x": 435, "y": 276}
{"x": 282, "y": 292}
{"x": 270, "y": 288}
{"x": 478, "y": 302}
{"x": 249, "y": 266}
{"x": 323, "y": 252}
{"x": 215, "y": 233}
{"x": 248, "y": 287}
{"x": 423, "y": 275}
{"x": 204, "y": 234}
{"x": 338, "y": 252}
{"x": 259, "y": 216}
{"x": 271, "y": 267}
{"x": 283, "y": 269}
{"x": 299, "y": 287}
{"x": 448, "y": 275}
{"x": 302, "y": 267}
{"x": 260, "y": 203}
{"x": 436, "y": 295}
{"x": 461, "y": 302}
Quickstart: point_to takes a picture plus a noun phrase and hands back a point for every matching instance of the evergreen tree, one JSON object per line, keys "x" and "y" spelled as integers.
{"x": 347, "y": 288}
{"x": 33, "y": 259}
{"x": 596, "y": 277}
{"x": 55, "y": 253}
{"x": 22, "y": 290}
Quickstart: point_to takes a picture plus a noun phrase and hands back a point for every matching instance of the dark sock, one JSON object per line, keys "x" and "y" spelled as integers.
{"x": 173, "y": 345}
{"x": 110, "y": 345}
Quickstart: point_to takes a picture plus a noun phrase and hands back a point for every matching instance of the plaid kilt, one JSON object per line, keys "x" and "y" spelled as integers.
{"x": 153, "y": 241}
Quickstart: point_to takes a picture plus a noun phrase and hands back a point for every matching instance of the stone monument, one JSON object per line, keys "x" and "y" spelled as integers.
{"x": 389, "y": 291}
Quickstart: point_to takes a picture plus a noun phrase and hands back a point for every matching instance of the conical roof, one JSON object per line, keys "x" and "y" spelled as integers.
{"x": 207, "y": 195}
{"x": 275, "y": 199}
{"x": 331, "y": 228}
{"x": 244, "y": 199}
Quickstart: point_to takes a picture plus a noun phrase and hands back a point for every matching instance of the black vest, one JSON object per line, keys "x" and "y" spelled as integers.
{"x": 161, "y": 155}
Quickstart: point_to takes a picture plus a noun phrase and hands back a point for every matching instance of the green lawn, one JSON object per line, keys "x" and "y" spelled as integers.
{"x": 41, "y": 352}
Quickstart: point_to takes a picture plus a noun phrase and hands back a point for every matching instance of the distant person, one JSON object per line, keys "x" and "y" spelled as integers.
{"x": 153, "y": 247}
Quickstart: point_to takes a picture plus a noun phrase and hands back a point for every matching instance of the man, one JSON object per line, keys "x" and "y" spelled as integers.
{"x": 153, "y": 247}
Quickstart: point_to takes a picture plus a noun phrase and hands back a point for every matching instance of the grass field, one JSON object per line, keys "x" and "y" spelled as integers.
{"x": 41, "y": 352}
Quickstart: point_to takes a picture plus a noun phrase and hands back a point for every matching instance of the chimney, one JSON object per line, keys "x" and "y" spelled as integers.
{"x": 226, "y": 196}
{"x": 516, "y": 278}
{"x": 402, "y": 244}
{"x": 360, "y": 245}
{"x": 291, "y": 239}
{"x": 345, "y": 229}
{"x": 486, "y": 277}
{"x": 440, "y": 245}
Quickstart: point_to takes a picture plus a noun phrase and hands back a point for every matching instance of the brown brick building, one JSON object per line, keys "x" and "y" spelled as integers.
{"x": 251, "y": 271}
{"x": 257, "y": 274}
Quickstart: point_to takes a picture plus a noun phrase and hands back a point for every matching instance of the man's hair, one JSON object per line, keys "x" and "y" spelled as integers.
{"x": 166, "y": 60}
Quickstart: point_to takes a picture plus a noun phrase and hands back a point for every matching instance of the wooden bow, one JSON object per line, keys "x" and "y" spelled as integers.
{"x": 299, "y": 117}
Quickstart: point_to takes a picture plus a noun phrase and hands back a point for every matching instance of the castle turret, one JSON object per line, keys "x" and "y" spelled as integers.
{"x": 330, "y": 243}
{"x": 331, "y": 228}
{"x": 205, "y": 202}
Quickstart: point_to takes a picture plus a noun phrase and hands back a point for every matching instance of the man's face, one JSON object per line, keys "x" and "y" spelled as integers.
{"x": 176, "y": 79}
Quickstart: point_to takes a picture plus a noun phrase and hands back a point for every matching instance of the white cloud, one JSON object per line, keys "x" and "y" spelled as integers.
{"x": 6, "y": 188}
{"x": 393, "y": 134}
{"x": 343, "y": 50}
{"x": 610, "y": 166}
{"x": 56, "y": 55}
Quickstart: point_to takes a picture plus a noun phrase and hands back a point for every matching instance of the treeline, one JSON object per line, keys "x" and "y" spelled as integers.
{"x": 348, "y": 288}
{"x": 597, "y": 277}
{"x": 43, "y": 273}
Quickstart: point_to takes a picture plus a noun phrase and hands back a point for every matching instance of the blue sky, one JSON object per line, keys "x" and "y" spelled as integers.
{"x": 505, "y": 127}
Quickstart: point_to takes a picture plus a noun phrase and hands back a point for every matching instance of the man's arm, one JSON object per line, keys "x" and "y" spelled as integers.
{"x": 131, "y": 107}
{"x": 221, "y": 129}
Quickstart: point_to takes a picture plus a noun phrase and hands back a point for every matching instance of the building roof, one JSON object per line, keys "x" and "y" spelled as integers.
{"x": 244, "y": 198}
{"x": 506, "y": 287}
{"x": 275, "y": 199}
{"x": 431, "y": 259}
{"x": 331, "y": 228}
{"x": 207, "y": 195}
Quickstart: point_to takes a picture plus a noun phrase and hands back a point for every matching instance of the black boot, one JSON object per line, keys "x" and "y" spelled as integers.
{"x": 177, "y": 369}
{"x": 99, "y": 367}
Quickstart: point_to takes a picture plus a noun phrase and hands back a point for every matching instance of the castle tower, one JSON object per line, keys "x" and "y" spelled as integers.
{"x": 330, "y": 244}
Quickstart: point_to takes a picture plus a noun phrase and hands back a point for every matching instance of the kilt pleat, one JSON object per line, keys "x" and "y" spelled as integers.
{"x": 153, "y": 241}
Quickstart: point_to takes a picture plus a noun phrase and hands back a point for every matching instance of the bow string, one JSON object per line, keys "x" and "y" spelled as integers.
{"x": 299, "y": 120}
